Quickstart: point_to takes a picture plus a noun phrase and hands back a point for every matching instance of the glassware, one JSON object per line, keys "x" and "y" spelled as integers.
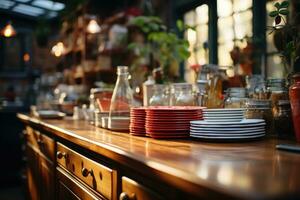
{"x": 294, "y": 93}
{"x": 235, "y": 97}
{"x": 283, "y": 119}
{"x": 121, "y": 101}
{"x": 251, "y": 83}
{"x": 159, "y": 97}
{"x": 260, "y": 91}
{"x": 184, "y": 96}
{"x": 277, "y": 90}
{"x": 148, "y": 90}
{"x": 260, "y": 109}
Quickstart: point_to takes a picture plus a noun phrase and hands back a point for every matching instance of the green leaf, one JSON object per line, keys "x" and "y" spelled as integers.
{"x": 273, "y": 13}
{"x": 277, "y": 5}
{"x": 284, "y": 4}
{"x": 284, "y": 12}
{"x": 180, "y": 25}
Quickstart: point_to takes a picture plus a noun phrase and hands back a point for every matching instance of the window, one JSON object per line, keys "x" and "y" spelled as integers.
{"x": 198, "y": 39}
{"x": 274, "y": 61}
{"x": 234, "y": 25}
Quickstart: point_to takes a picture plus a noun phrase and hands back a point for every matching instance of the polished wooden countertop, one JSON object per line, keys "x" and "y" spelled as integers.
{"x": 248, "y": 170}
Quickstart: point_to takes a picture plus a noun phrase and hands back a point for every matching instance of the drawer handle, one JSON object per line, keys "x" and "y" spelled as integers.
{"x": 60, "y": 155}
{"x": 124, "y": 196}
{"x": 85, "y": 172}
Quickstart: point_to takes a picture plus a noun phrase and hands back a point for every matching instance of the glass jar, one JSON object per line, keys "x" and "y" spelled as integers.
{"x": 175, "y": 90}
{"x": 260, "y": 109}
{"x": 184, "y": 95}
{"x": 277, "y": 90}
{"x": 283, "y": 120}
{"x": 121, "y": 101}
{"x": 235, "y": 98}
{"x": 159, "y": 97}
{"x": 260, "y": 91}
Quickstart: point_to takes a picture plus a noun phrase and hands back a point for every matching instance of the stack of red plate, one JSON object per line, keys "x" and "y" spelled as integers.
{"x": 137, "y": 121}
{"x": 164, "y": 122}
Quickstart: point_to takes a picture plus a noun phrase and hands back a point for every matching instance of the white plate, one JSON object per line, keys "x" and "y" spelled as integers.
{"x": 227, "y": 135}
{"x": 227, "y": 128}
{"x": 228, "y": 138}
{"x": 241, "y": 123}
{"x": 223, "y": 116}
{"x": 223, "y": 109}
{"x": 227, "y": 131}
{"x": 223, "y": 120}
{"x": 50, "y": 114}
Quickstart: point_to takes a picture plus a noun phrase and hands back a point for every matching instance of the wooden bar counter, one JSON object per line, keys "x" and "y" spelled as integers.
{"x": 70, "y": 159}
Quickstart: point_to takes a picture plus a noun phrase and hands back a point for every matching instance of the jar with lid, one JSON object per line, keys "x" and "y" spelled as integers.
{"x": 235, "y": 97}
{"x": 260, "y": 91}
{"x": 260, "y": 109}
{"x": 184, "y": 95}
{"x": 277, "y": 90}
{"x": 159, "y": 97}
{"x": 283, "y": 120}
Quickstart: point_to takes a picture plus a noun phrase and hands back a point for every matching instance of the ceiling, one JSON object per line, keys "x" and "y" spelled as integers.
{"x": 32, "y": 8}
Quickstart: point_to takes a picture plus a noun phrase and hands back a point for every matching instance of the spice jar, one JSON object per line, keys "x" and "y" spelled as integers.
{"x": 277, "y": 91}
{"x": 283, "y": 120}
{"x": 235, "y": 97}
{"x": 260, "y": 109}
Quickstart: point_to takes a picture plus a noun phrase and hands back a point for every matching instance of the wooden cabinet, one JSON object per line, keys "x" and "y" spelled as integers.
{"x": 132, "y": 190}
{"x": 68, "y": 188}
{"x": 40, "y": 166}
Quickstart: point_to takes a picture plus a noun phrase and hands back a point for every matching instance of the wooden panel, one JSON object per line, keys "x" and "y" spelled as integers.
{"x": 70, "y": 189}
{"x": 32, "y": 137}
{"x": 97, "y": 176}
{"x": 32, "y": 173}
{"x": 47, "y": 146}
{"x": 47, "y": 179}
{"x": 134, "y": 191}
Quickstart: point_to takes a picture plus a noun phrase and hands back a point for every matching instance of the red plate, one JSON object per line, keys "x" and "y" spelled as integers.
{"x": 171, "y": 133}
{"x": 170, "y": 126}
{"x": 151, "y": 129}
{"x": 174, "y": 113}
{"x": 174, "y": 108}
{"x": 172, "y": 119}
{"x": 168, "y": 137}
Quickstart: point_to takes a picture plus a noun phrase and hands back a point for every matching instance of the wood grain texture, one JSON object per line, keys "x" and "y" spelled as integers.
{"x": 249, "y": 170}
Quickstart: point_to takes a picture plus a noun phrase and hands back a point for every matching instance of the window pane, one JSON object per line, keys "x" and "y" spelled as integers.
{"x": 243, "y": 24}
{"x": 275, "y": 67}
{"x": 241, "y": 5}
{"x": 189, "y": 18}
{"x": 224, "y": 8}
{"x": 202, "y": 33}
{"x": 225, "y": 29}
{"x": 202, "y": 14}
{"x": 224, "y": 54}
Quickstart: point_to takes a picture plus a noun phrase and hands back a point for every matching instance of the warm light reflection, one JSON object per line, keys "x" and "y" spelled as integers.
{"x": 191, "y": 36}
{"x": 8, "y": 31}
{"x": 203, "y": 172}
{"x": 58, "y": 49}
{"x": 93, "y": 27}
{"x": 225, "y": 174}
{"x": 26, "y": 57}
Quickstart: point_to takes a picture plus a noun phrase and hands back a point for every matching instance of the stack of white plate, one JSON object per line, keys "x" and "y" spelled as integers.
{"x": 119, "y": 123}
{"x": 223, "y": 115}
{"x": 243, "y": 130}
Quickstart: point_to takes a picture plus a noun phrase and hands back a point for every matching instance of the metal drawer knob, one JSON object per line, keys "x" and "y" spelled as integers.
{"x": 124, "y": 196}
{"x": 60, "y": 155}
{"x": 85, "y": 172}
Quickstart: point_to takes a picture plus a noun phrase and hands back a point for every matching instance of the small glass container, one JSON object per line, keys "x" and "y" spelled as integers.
{"x": 283, "y": 120}
{"x": 176, "y": 89}
{"x": 235, "y": 97}
{"x": 260, "y": 91}
{"x": 277, "y": 90}
{"x": 184, "y": 95}
{"x": 159, "y": 97}
{"x": 260, "y": 109}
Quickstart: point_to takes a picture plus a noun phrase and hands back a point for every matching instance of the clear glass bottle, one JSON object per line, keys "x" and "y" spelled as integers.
{"x": 121, "y": 101}
{"x": 283, "y": 120}
{"x": 159, "y": 97}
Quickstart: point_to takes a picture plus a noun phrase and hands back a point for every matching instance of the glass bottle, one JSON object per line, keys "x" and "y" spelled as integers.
{"x": 121, "y": 101}
{"x": 235, "y": 97}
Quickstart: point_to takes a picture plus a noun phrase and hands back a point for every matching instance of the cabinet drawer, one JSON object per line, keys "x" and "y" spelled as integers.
{"x": 47, "y": 146}
{"x": 97, "y": 176}
{"x": 132, "y": 190}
